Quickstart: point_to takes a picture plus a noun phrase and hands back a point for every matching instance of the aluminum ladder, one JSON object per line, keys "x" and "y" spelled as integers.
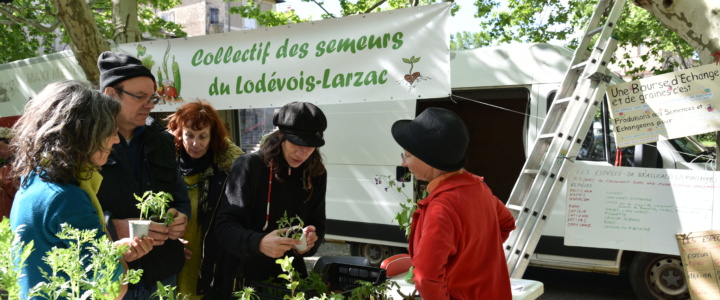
{"x": 561, "y": 136}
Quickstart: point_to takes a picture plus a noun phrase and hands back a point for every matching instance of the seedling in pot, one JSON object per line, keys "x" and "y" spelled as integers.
{"x": 287, "y": 229}
{"x": 154, "y": 207}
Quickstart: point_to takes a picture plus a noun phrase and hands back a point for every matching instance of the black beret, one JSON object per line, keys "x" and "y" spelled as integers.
{"x": 302, "y": 123}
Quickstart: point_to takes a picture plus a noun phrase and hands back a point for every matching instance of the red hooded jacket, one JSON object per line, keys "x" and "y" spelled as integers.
{"x": 456, "y": 241}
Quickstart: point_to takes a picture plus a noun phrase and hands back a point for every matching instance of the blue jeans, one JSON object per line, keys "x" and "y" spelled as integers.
{"x": 144, "y": 291}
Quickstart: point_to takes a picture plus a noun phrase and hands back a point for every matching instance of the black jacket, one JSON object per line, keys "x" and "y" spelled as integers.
{"x": 158, "y": 171}
{"x": 242, "y": 216}
{"x": 208, "y": 280}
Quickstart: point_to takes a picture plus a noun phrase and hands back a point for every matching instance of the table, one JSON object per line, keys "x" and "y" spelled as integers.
{"x": 522, "y": 289}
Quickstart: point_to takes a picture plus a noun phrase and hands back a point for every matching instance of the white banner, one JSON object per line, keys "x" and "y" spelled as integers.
{"x": 23, "y": 79}
{"x": 398, "y": 54}
{"x": 672, "y": 105}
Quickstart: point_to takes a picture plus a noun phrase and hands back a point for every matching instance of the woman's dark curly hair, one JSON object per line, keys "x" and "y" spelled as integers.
{"x": 60, "y": 130}
{"x": 272, "y": 153}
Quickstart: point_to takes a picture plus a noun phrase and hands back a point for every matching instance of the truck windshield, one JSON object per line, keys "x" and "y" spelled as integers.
{"x": 691, "y": 150}
{"x": 594, "y": 149}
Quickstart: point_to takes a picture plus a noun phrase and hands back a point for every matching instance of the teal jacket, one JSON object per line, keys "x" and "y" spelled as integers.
{"x": 40, "y": 207}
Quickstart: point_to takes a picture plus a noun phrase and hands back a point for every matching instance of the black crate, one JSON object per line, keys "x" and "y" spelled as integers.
{"x": 343, "y": 277}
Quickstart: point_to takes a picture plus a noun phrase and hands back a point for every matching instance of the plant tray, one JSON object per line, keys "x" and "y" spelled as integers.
{"x": 343, "y": 277}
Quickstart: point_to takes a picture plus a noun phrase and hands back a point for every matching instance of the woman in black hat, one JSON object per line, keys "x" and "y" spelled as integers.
{"x": 285, "y": 177}
{"x": 457, "y": 231}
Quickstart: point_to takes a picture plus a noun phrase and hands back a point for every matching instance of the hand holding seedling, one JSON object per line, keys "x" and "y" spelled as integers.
{"x": 157, "y": 232}
{"x": 275, "y": 246}
{"x": 177, "y": 227}
{"x": 138, "y": 247}
{"x": 310, "y": 236}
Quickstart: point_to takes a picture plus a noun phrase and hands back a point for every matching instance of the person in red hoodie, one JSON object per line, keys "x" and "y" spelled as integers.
{"x": 458, "y": 230}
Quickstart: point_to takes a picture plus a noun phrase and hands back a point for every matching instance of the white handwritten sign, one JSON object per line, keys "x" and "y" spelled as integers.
{"x": 637, "y": 208}
{"x": 673, "y": 105}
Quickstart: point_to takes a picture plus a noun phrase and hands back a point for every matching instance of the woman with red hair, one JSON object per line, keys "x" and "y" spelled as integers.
{"x": 205, "y": 155}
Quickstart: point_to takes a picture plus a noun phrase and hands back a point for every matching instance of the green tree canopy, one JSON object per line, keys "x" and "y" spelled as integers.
{"x": 30, "y": 27}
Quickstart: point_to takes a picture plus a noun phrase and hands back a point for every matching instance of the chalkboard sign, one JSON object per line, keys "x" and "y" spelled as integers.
{"x": 636, "y": 208}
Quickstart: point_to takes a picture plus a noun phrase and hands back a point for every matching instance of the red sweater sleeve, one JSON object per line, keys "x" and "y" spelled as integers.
{"x": 433, "y": 250}
{"x": 505, "y": 220}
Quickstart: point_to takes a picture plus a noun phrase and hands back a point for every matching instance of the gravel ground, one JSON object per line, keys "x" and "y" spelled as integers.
{"x": 329, "y": 248}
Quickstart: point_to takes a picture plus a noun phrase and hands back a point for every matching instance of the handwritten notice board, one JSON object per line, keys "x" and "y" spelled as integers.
{"x": 637, "y": 208}
{"x": 700, "y": 253}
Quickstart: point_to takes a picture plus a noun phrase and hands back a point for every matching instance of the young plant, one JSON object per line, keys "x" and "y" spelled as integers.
{"x": 291, "y": 277}
{"x": 247, "y": 293}
{"x": 15, "y": 252}
{"x": 366, "y": 290}
{"x": 85, "y": 270}
{"x": 154, "y": 206}
{"x": 167, "y": 292}
{"x": 294, "y": 285}
{"x": 404, "y": 216}
{"x": 296, "y": 231}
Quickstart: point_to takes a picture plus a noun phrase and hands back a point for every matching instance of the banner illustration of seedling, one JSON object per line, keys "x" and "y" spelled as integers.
{"x": 411, "y": 79}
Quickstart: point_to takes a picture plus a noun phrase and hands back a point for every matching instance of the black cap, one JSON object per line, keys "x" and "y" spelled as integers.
{"x": 437, "y": 136}
{"x": 117, "y": 67}
{"x": 302, "y": 123}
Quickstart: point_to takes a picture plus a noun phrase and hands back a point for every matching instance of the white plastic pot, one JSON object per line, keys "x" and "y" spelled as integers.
{"x": 303, "y": 240}
{"x": 138, "y": 228}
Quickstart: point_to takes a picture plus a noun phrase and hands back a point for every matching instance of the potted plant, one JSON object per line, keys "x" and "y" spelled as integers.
{"x": 287, "y": 229}
{"x": 153, "y": 207}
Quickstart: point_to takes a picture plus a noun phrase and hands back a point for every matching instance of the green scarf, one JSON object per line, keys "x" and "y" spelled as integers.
{"x": 91, "y": 187}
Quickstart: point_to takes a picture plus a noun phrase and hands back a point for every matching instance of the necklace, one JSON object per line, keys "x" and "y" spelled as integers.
{"x": 189, "y": 187}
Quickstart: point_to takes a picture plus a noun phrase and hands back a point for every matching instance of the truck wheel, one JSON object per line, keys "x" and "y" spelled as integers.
{"x": 374, "y": 253}
{"x": 658, "y": 276}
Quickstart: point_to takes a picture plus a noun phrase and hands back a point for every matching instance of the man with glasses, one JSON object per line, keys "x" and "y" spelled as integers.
{"x": 144, "y": 160}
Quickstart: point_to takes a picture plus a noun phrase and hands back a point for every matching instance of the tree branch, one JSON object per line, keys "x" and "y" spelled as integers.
{"x": 369, "y": 10}
{"x": 323, "y": 8}
{"x": 15, "y": 20}
{"x": 683, "y": 61}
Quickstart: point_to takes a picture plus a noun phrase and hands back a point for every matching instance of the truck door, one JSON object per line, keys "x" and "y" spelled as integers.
{"x": 496, "y": 121}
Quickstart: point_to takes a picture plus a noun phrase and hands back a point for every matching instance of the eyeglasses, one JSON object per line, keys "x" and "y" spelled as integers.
{"x": 405, "y": 156}
{"x": 154, "y": 98}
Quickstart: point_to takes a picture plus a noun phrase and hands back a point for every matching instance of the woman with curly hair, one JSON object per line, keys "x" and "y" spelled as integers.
{"x": 60, "y": 142}
{"x": 285, "y": 177}
{"x": 205, "y": 154}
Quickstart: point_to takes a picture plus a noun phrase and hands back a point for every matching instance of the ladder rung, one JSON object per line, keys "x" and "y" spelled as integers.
{"x": 563, "y": 100}
{"x": 531, "y": 171}
{"x": 515, "y": 207}
{"x": 579, "y": 66}
{"x": 546, "y": 136}
{"x": 595, "y": 31}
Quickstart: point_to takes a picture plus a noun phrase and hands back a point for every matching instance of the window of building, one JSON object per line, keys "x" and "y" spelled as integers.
{"x": 214, "y": 16}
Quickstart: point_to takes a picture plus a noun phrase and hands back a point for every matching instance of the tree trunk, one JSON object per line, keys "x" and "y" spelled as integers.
{"x": 695, "y": 21}
{"x": 125, "y": 20}
{"x": 86, "y": 40}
